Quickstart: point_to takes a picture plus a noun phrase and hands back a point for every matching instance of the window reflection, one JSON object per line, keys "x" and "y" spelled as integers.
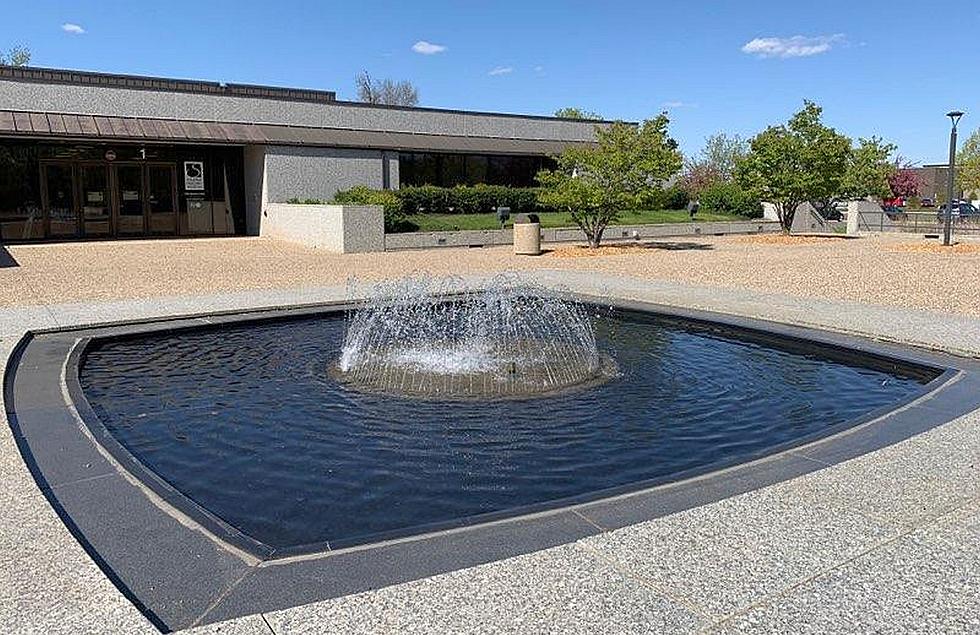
{"x": 448, "y": 170}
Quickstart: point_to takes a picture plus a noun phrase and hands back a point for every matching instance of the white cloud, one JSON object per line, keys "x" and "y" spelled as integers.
{"x": 539, "y": 69}
{"x": 427, "y": 48}
{"x": 796, "y": 46}
{"x": 502, "y": 70}
{"x": 74, "y": 29}
{"x": 673, "y": 104}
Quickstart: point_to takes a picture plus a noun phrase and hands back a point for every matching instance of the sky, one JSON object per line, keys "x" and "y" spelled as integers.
{"x": 877, "y": 68}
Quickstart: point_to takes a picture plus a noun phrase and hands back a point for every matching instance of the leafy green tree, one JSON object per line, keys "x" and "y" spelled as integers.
{"x": 869, "y": 169}
{"x": 627, "y": 165}
{"x": 577, "y": 113}
{"x": 968, "y": 164}
{"x": 16, "y": 56}
{"x": 797, "y": 162}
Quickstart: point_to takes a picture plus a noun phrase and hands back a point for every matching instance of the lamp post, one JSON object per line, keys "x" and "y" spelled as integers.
{"x": 954, "y": 116}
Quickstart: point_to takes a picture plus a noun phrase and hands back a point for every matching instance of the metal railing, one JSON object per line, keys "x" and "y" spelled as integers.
{"x": 924, "y": 222}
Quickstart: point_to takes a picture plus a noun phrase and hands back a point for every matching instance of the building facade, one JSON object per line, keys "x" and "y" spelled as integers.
{"x": 93, "y": 155}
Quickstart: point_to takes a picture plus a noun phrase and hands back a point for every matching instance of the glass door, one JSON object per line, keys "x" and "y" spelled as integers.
{"x": 129, "y": 200}
{"x": 162, "y": 199}
{"x": 94, "y": 189}
{"x": 59, "y": 199}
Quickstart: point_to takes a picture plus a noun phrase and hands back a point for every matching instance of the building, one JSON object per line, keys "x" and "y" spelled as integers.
{"x": 933, "y": 181}
{"x": 93, "y": 155}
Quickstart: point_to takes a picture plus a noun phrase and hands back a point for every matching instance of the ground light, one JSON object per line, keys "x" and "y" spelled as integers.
{"x": 954, "y": 116}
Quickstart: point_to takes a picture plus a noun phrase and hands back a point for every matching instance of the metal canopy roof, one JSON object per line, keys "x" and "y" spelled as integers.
{"x": 50, "y": 125}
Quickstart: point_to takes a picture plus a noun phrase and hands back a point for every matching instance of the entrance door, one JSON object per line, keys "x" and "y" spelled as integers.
{"x": 94, "y": 192}
{"x": 129, "y": 198}
{"x": 161, "y": 182}
{"x": 58, "y": 189}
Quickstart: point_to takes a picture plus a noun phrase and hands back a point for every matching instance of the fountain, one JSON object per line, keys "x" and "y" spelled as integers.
{"x": 432, "y": 337}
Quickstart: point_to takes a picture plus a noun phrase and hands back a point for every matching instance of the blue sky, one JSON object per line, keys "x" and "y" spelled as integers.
{"x": 734, "y": 66}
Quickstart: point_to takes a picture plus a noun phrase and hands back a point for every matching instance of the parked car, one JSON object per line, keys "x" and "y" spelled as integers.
{"x": 927, "y": 202}
{"x": 894, "y": 212}
{"x": 898, "y": 201}
{"x": 961, "y": 209}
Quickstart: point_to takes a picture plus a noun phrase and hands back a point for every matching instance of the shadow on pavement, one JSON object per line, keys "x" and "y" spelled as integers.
{"x": 676, "y": 246}
{"x": 6, "y": 260}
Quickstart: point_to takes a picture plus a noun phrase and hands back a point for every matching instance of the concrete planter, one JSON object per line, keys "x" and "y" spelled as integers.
{"x": 343, "y": 229}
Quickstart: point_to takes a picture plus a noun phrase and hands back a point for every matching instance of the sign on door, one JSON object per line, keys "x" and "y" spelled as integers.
{"x": 194, "y": 176}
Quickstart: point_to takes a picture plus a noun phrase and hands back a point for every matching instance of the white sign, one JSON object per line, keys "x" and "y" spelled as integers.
{"x": 194, "y": 176}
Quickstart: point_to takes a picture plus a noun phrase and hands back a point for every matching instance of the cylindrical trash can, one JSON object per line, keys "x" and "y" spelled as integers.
{"x": 527, "y": 239}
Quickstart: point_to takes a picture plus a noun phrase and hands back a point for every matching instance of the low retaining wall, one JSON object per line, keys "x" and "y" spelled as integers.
{"x": 343, "y": 229}
{"x": 615, "y": 233}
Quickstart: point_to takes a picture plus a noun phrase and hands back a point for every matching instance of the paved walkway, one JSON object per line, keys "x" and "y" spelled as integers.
{"x": 889, "y": 541}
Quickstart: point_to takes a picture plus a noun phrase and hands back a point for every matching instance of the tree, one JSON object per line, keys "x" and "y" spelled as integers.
{"x": 722, "y": 153}
{"x": 714, "y": 164}
{"x": 594, "y": 183}
{"x": 698, "y": 176}
{"x": 904, "y": 181}
{"x": 386, "y": 91}
{"x": 968, "y": 164}
{"x": 869, "y": 169}
{"x": 16, "y": 56}
{"x": 577, "y": 113}
{"x": 797, "y": 162}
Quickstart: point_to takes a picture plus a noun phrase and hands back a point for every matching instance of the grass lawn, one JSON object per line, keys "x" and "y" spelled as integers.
{"x": 450, "y": 222}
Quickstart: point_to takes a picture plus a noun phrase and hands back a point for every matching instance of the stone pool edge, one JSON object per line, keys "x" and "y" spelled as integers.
{"x": 573, "y": 526}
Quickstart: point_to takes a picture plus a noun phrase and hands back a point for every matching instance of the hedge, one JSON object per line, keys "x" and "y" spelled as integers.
{"x": 468, "y": 199}
{"x": 730, "y": 198}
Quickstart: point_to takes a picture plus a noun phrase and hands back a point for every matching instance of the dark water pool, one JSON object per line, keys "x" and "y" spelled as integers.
{"x": 246, "y": 421}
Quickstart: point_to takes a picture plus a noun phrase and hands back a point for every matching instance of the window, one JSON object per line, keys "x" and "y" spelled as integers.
{"x": 20, "y": 193}
{"x": 447, "y": 170}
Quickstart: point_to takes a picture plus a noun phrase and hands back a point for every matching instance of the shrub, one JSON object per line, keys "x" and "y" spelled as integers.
{"x": 730, "y": 198}
{"x": 363, "y": 195}
{"x": 468, "y": 199}
{"x": 675, "y": 197}
{"x": 430, "y": 199}
{"x": 305, "y": 201}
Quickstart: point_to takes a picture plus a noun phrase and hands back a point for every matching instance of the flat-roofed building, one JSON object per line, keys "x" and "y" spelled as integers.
{"x": 95, "y": 155}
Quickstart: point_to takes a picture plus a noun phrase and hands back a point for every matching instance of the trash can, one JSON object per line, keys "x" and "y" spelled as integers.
{"x": 527, "y": 235}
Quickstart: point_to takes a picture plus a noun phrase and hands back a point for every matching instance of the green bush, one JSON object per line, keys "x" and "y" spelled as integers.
{"x": 399, "y": 205}
{"x": 675, "y": 197}
{"x": 468, "y": 199}
{"x": 305, "y": 201}
{"x": 363, "y": 195}
{"x": 730, "y": 198}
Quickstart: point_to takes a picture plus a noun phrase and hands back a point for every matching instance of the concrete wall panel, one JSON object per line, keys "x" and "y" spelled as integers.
{"x": 129, "y": 102}
{"x": 292, "y": 172}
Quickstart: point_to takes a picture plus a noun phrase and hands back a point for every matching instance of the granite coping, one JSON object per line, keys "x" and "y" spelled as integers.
{"x": 394, "y": 605}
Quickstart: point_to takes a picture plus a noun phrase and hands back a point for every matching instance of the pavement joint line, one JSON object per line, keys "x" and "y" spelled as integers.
{"x": 601, "y": 529}
{"x": 87, "y": 479}
{"x": 874, "y": 546}
{"x": 267, "y": 625}
{"x": 807, "y": 457}
{"x": 681, "y": 600}
{"x": 220, "y": 598}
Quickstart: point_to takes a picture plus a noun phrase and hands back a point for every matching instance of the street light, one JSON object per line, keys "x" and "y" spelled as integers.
{"x": 954, "y": 116}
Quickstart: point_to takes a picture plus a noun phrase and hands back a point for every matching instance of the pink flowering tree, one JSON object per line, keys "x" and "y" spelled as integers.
{"x": 904, "y": 181}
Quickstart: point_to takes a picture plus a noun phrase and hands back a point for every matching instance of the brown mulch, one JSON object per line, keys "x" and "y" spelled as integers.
{"x": 788, "y": 239}
{"x": 935, "y": 248}
{"x": 620, "y": 249}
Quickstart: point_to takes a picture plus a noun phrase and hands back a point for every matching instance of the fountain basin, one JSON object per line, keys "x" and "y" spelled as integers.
{"x": 243, "y": 420}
